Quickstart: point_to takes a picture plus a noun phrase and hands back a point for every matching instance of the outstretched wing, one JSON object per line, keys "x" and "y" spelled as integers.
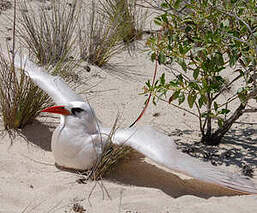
{"x": 54, "y": 86}
{"x": 162, "y": 149}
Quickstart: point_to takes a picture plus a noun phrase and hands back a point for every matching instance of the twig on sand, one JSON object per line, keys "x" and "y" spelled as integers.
{"x": 103, "y": 189}
{"x": 153, "y": 82}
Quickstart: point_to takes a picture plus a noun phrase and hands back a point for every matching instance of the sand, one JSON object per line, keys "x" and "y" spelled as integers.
{"x": 30, "y": 182}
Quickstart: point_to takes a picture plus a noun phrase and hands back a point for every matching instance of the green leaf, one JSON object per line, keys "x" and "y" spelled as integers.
{"x": 181, "y": 49}
{"x": 196, "y": 73}
{"x": 205, "y": 84}
{"x": 164, "y": 5}
{"x": 220, "y": 122}
{"x": 154, "y": 101}
{"x": 181, "y": 98}
{"x": 193, "y": 85}
{"x": 162, "y": 79}
{"x": 183, "y": 65}
{"x": 191, "y": 99}
{"x": 180, "y": 78}
{"x": 225, "y": 23}
{"x": 202, "y": 100}
{"x": 219, "y": 59}
{"x": 242, "y": 94}
{"x": 164, "y": 17}
{"x": 173, "y": 83}
{"x": 224, "y": 111}
{"x": 216, "y": 106}
{"x": 177, "y": 3}
{"x": 161, "y": 58}
{"x": 148, "y": 84}
{"x": 153, "y": 57}
{"x": 174, "y": 96}
{"x": 158, "y": 21}
{"x": 232, "y": 60}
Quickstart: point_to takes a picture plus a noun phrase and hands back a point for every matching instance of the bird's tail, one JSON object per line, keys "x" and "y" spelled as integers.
{"x": 205, "y": 172}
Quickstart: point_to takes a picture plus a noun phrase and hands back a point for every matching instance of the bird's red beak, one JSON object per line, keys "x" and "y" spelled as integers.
{"x": 57, "y": 109}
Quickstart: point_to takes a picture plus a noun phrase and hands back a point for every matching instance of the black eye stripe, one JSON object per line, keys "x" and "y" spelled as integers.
{"x": 76, "y": 110}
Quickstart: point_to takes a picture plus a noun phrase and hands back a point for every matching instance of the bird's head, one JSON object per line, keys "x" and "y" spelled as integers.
{"x": 78, "y": 113}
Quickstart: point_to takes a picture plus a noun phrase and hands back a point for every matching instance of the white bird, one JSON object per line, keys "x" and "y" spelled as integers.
{"x": 79, "y": 139}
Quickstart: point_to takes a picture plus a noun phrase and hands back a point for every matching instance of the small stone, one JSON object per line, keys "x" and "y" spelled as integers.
{"x": 213, "y": 163}
{"x": 76, "y": 207}
{"x": 247, "y": 170}
{"x": 156, "y": 114}
{"x": 87, "y": 68}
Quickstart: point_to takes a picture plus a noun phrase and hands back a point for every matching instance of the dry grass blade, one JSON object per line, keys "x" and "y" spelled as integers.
{"x": 49, "y": 35}
{"x": 111, "y": 156}
{"x": 99, "y": 40}
{"x": 129, "y": 18}
{"x": 21, "y": 101}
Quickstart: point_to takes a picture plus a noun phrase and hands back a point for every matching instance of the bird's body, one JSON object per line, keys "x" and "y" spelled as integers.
{"x": 80, "y": 138}
{"x": 76, "y": 143}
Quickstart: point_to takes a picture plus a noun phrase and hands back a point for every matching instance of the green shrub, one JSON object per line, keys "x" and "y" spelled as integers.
{"x": 205, "y": 38}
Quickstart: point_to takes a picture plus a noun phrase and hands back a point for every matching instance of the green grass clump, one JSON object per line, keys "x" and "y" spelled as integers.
{"x": 127, "y": 16}
{"x": 21, "y": 100}
{"x": 111, "y": 26}
{"x": 99, "y": 39}
{"x": 49, "y": 35}
{"x": 110, "y": 158}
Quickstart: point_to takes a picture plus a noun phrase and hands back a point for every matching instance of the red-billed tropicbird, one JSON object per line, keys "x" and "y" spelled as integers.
{"x": 79, "y": 139}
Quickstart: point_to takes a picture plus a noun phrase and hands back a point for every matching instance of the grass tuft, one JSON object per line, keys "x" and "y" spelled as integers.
{"x": 112, "y": 26}
{"x": 21, "y": 100}
{"x": 99, "y": 39}
{"x": 110, "y": 158}
{"x": 129, "y": 18}
{"x": 49, "y": 34}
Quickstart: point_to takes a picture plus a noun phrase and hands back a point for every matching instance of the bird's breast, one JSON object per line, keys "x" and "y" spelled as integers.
{"x": 73, "y": 148}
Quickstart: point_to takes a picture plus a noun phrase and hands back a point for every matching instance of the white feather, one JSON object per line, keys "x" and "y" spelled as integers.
{"x": 162, "y": 149}
{"x": 54, "y": 86}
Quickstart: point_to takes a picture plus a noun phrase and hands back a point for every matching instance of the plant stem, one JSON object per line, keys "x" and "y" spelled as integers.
{"x": 218, "y": 134}
{"x": 209, "y": 103}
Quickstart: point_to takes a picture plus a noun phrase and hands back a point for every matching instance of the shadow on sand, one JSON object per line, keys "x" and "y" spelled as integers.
{"x": 240, "y": 147}
{"x": 135, "y": 171}
{"x": 39, "y": 134}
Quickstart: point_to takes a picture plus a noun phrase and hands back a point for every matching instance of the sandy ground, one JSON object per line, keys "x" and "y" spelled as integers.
{"x": 29, "y": 181}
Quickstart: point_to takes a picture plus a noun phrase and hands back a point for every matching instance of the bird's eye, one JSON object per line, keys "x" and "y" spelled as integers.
{"x": 76, "y": 110}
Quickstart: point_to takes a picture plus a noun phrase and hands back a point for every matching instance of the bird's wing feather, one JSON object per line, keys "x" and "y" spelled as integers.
{"x": 54, "y": 86}
{"x": 162, "y": 149}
